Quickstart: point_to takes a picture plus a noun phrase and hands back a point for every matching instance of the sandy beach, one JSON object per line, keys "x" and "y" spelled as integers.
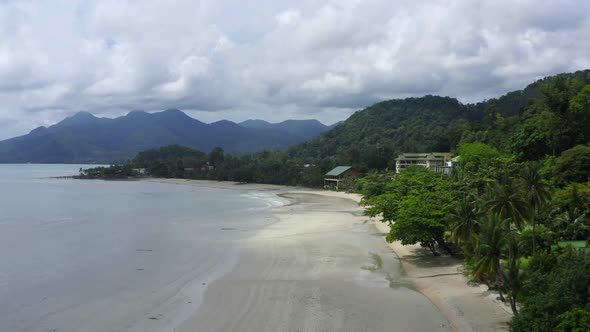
{"x": 323, "y": 266}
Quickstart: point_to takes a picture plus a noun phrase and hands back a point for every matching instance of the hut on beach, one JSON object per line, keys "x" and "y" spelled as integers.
{"x": 333, "y": 178}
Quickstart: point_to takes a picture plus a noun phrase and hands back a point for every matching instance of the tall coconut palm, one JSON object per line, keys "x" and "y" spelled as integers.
{"x": 507, "y": 201}
{"x": 535, "y": 195}
{"x": 492, "y": 240}
{"x": 465, "y": 215}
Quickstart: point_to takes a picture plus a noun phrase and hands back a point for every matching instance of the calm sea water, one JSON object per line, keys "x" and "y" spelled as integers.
{"x": 84, "y": 255}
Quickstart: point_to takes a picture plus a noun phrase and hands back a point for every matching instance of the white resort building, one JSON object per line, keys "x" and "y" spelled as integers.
{"x": 441, "y": 162}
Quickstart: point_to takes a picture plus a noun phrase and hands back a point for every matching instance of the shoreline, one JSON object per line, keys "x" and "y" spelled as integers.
{"x": 442, "y": 281}
{"x": 439, "y": 279}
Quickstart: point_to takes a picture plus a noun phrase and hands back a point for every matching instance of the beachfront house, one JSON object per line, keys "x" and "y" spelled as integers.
{"x": 140, "y": 171}
{"x": 441, "y": 162}
{"x": 333, "y": 178}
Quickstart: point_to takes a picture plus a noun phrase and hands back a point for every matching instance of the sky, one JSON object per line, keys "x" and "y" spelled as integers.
{"x": 275, "y": 59}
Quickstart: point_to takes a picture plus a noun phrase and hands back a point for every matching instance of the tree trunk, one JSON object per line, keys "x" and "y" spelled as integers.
{"x": 441, "y": 242}
{"x": 513, "y": 305}
{"x": 500, "y": 282}
{"x": 534, "y": 228}
{"x": 433, "y": 249}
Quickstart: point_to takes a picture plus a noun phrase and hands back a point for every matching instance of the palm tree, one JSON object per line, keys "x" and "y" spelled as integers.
{"x": 508, "y": 203}
{"x": 492, "y": 239}
{"x": 466, "y": 214}
{"x": 514, "y": 280}
{"x": 536, "y": 195}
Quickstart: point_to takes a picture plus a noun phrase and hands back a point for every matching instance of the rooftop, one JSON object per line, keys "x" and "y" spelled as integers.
{"x": 338, "y": 170}
{"x": 425, "y": 156}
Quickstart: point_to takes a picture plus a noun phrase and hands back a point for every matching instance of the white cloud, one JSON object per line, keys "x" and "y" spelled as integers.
{"x": 287, "y": 17}
{"x": 273, "y": 59}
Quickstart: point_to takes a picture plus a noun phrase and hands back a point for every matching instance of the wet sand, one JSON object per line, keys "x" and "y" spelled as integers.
{"x": 321, "y": 267}
{"x": 306, "y": 260}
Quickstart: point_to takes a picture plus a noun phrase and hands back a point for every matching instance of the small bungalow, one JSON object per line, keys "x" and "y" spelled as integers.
{"x": 333, "y": 177}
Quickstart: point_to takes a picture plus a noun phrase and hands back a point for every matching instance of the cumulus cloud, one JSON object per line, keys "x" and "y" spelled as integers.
{"x": 273, "y": 59}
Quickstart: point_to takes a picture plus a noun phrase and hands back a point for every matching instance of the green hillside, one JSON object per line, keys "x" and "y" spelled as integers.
{"x": 369, "y": 138}
{"x": 530, "y": 123}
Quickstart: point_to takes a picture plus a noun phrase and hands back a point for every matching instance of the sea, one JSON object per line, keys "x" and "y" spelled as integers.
{"x": 93, "y": 255}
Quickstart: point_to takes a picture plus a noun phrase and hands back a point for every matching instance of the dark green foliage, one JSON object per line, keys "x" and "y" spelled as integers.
{"x": 573, "y": 165}
{"x": 557, "y": 284}
{"x": 475, "y": 156}
{"x": 419, "y": 201}
{"x": 534, "y": 138}
{"x": 168, "y": 152}
{"x": 273, "y": 167}
{"x": 373, "y": 184}
{"x": 575, "y": 320}
{"x": 113, "y": 171}
{"x": 482, "y": 165}
{"x": 569, "y": 212}
{"x": 548, "y": 117}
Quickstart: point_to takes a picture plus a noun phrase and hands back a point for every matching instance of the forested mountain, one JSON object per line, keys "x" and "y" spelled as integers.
{"x": 372, "y": 136}
{"x": 304, "y": 129}
{"x": 86, "y": 138}
{"x": 529, "y": 123}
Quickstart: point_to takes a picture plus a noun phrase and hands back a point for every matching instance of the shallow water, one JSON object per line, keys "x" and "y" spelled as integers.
{"x": 113, "y": 255}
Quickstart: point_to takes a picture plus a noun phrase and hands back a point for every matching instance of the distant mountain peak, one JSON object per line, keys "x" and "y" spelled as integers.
{"x": 313, "y": 122}
{"x": 172, "y": 111}
{"x": 83, "y": 114}
{"x": 223, "y": 122}
{"x": 79, "y": 118}
{"x": 137, "y": 112}
{"x": 256, "y": 124}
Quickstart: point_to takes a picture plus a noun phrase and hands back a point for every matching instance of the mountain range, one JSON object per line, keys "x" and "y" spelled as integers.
{"x": 85, "y": 138}
{"x": 372, "y": 135}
